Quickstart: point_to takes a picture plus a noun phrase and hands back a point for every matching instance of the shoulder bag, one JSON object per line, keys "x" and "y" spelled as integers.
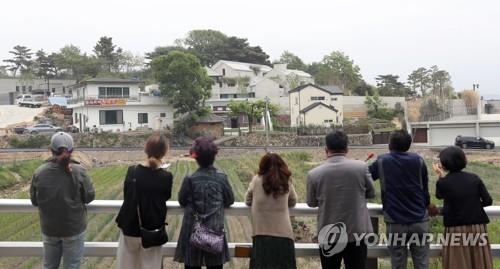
{"x": 202, "y": 236}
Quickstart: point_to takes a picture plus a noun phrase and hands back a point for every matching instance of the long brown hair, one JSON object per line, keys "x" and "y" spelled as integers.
{"x": 156, "y": 148}
{"x": 275, "y": 175}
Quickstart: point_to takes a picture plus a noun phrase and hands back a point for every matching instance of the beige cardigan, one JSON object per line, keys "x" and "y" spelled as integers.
{"x": 270, "y": 215}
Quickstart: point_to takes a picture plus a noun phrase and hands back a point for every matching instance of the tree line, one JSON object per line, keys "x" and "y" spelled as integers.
{"x": 210, "y": 46}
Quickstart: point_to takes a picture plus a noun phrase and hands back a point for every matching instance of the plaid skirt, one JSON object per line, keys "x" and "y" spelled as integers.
{"x": 465, "y": 255}
{"x": 271, "y": 252}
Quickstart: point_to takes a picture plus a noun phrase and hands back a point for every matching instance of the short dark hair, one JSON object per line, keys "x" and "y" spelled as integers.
{"x": 453, "y": 159}
{"x": 204, "y": 151}
{"x": 337, "y": 141}
{"x": 400, "y": 140}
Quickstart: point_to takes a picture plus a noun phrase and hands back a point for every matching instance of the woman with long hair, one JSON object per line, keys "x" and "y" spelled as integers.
{"x": 270, "y": 194}
{"x": 204, "y": 195}
{"x": 146, "y": 189}
{"x": 464, "y": 196}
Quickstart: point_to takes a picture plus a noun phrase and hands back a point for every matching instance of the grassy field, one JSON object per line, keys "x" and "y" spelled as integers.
{"x": 108, "y": 184}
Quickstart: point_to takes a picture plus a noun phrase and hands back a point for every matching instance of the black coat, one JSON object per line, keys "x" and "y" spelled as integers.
{"x": 154, "y": 188}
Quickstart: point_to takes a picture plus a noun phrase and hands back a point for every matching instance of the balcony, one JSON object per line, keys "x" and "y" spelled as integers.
{"x": 94, "y": 100}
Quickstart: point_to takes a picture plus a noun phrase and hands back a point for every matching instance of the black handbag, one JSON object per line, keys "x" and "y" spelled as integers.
{"x": 149, "y": 238}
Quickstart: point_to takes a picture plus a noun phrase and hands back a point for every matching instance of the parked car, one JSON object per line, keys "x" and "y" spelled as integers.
{"x": 19, "y": 130}
{"x": 473, "y": 142}
{"x": 42, "y": 128}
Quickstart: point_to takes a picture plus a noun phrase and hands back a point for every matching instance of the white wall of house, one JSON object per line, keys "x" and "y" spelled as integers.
{"x": 227, "y": 71}
{"x": 91, "y": 90}
{"x": 305, "y": 97}
{"x": 130, "y": 117}
{"x": 276, "y": 94}
{"x": 286, "y": 75}
{"x": 321, "y": 115}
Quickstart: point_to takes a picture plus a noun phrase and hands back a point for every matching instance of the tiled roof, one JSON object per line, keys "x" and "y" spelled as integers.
{"x": 314, "y": 105}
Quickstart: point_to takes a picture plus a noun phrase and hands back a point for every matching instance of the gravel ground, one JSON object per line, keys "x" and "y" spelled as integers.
{"x": 12, "y": 114}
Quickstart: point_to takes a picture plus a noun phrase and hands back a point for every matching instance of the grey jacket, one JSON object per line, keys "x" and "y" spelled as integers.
{"x": 340, "y": 187}
{"x": 61, "y": 198}
{"x": 208, "y": 192}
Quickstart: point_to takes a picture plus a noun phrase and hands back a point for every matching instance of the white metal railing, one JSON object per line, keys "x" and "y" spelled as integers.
{"x": 108, "y": 249}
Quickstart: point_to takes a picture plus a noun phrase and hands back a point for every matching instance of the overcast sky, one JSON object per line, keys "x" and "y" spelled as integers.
{"x": 382, "y": 37}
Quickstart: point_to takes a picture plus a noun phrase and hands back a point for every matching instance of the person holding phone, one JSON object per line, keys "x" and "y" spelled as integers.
{"x": 465, "y": 197}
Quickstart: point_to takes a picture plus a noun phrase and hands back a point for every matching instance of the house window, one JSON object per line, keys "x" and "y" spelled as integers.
{"x": 317, "y": 98}
{"x": 30, "y": 88}
{"x": 24, "y": 88}
{"x": 76, "y": 117}
{"x": 17, "y": 88}
{"x": 328, "y": 121}
{"x": 223, "y": 71}
{"x": 224, "y": 96}
{"x": 231, "y": 84}
{"x": 163, "y": 115}
{"x": 53, "y": 90}
{"x": 334, "y": 98}
{"x": 110, "y": 117}
{"x": 114, "y": 92}
{"x": 143, "y": 118}
{"x": 64, "y": 90}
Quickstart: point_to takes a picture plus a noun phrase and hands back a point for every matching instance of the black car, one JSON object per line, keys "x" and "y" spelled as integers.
{"x": 473, "y": 142}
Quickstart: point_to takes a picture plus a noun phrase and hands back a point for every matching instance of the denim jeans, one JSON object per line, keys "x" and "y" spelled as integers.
{"x": 398, "y": 248}
{"x": 70, "y": 249}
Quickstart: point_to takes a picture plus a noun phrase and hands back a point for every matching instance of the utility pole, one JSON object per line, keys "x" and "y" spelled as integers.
{"x": 267, "y": 123}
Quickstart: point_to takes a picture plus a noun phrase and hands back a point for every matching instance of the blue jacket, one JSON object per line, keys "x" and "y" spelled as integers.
{"x": 404, "y": 184}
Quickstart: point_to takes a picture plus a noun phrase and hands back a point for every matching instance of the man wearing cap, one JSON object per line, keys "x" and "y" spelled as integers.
{"x": 60, "y": 188}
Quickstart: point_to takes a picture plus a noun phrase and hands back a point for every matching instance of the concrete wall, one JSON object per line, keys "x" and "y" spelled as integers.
{"x": 354, "y": 106}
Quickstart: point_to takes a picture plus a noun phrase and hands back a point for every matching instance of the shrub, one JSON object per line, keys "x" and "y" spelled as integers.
{"x": 32, "y": 141}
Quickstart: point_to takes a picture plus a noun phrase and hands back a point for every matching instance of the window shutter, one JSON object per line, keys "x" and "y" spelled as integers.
{"x": 119, "y": 116}
{"x": 102, "y": 117}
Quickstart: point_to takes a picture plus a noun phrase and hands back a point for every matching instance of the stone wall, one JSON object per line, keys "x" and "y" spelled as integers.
{"x": 291, "y": 140}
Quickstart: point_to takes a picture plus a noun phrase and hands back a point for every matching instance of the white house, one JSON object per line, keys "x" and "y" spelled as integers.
{"x": 316, "y": 105}
{"x": 230, "y": 69}
{"x": 289, "y": 78}
{"x": 239, "y": 81}
{"x": 113, "y": 104}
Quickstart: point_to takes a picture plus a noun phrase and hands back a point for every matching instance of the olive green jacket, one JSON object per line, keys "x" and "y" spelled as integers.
{"x": 61, "y": 197}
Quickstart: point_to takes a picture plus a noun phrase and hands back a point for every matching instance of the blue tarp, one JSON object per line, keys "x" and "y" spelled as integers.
{"x": 61, "y": 101}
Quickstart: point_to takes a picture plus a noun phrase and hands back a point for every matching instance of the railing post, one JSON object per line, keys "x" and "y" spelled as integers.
{"x": 372, "y": 263}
